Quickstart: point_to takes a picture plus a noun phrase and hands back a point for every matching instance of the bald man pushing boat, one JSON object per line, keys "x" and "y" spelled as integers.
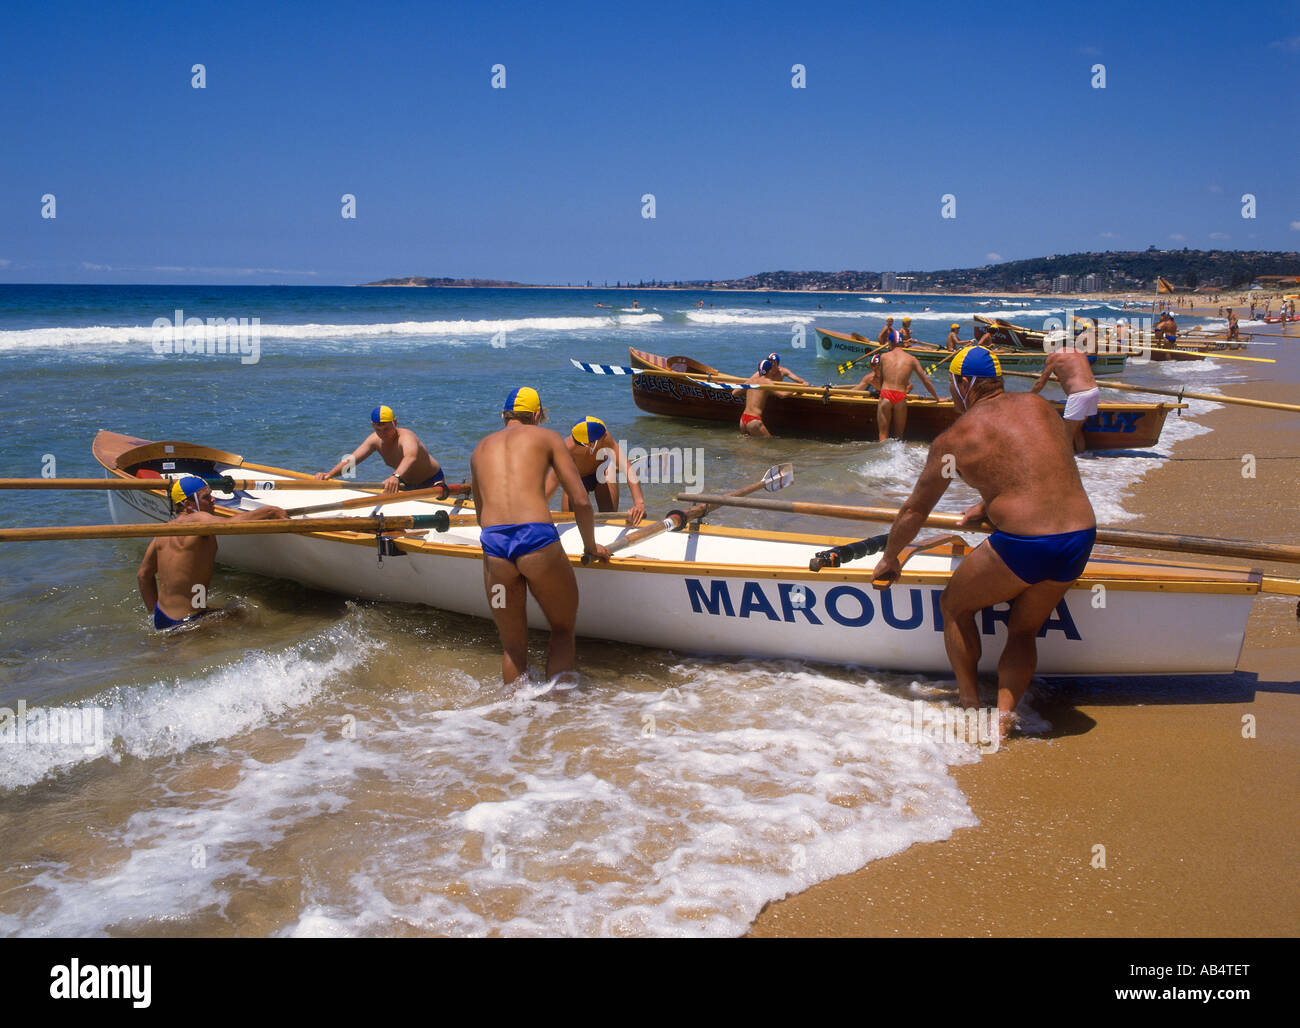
{"x": 176, "y": 570}
{"x": 1016, "y": 451}
{"x": 521, "y": 548}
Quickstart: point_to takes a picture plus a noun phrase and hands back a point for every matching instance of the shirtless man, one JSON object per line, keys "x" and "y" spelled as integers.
{"x": 1072, "y": 368}
{"x": 906, "y": 337}
{"x": 769, "y": 371}
{"x": 402, "y": 451}
{"x": 521, "y": 548}
{"x": 887, "y": 333}
{"x": 592, "y": 447}
{"x": 897, "y": 367}
{"x": 1167, "y": 329}
{"x": 176, "y": 570}
{"x": 954, "y": 342}
{"x": 1233, "y": 329}
{"x": 1013, "y": 449}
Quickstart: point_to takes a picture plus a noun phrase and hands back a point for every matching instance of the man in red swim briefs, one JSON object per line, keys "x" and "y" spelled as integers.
{"x": 769, "y": 372}
{"x": 897, "y": 367}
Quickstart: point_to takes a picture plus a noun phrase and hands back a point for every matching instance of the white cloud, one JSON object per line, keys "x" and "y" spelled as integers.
{"x": 1109, "y": 235}
{"x": 1295, "y": 226}
{"x": 993, "y": 256}
{"x": 87, "y": 266}
{"x": 1214, "y": 187}
{"x": 1290, "y": 43}
{"x": 4, "y": 263}
{"x": 1178, "y": 236}
{"x": 1220, "y": 235}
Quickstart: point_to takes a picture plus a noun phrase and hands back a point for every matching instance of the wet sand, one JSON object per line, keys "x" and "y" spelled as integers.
{"x": 1198, "y": 822}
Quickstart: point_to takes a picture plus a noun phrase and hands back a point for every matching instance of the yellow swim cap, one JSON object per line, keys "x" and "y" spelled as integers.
{"x": 589, "y": 430}
{"x": 523, "y": 400}
{"x": 381, "y": 415}
{"x": 907, "y": 321}
{"x": 184, "y": 488}
{"x": 955, "y": 325}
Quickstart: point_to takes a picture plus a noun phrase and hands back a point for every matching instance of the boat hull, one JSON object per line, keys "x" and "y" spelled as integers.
{"x": 1115, "y": 426}
{"x": 745, "y": 594}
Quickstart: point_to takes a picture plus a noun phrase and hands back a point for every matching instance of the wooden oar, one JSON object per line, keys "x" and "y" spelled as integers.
{"x": 219, "y": 483}
{"x": 1125, "y": 387}
{"x": 271, "y": 526}
{"x": 1191, "y": 353}
{"x": 778, "y": 476}
{"x": 1244, "y": 548}
{"x": 436, "y": 492}
{"x": 843, "y": 369}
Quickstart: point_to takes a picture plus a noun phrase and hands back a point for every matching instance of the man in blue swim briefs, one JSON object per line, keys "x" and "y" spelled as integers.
{"x": 402, "y": 451}
{"x": 1015, "y": 451}
{"x": 521, "y": 548}
{"x": 176, "y": 570}
{"x": 594, "y": 450}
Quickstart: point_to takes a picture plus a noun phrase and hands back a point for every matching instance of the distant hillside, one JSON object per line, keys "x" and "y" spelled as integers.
{"x": 1111, "y": 271}
{"x": 467, "y": 283}
{"x": 1127, "y": 271}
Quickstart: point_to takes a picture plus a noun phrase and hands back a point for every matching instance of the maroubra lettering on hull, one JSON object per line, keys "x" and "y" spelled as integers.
{"x": 900, "y": 608}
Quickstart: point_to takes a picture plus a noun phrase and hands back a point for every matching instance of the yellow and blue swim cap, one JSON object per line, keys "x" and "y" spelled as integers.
{"x": 589, "y": 430}
{"x": 975, "y": 362}
{"x": 381, "y": 415}
{"x": 523, "y": 400}
{"x": 184, "y": 488}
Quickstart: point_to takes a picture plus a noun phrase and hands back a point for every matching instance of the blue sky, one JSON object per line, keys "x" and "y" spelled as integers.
{"x": 541, "y": 181}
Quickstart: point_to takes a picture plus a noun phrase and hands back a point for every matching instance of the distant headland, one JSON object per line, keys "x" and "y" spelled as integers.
{"x": 1107, "y": 272}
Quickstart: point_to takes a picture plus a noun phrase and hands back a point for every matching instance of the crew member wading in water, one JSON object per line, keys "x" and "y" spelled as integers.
{"x": 769, "y": 370}
{"x": 521, "y": 548}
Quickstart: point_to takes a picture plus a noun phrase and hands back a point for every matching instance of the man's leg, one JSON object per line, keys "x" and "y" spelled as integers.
{"x": 1020, "y": 656}
{"x": 900, "y": 419}
{"x": 883, "y": 409}
{"x": 1076, "y": 435}
{"x": 553, "y": 585}
{"x": 507, "y": 595}
{"x": 979, "y": 581}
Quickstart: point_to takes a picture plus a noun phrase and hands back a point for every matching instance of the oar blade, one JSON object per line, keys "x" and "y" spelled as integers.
{"x": 777, "y": 477}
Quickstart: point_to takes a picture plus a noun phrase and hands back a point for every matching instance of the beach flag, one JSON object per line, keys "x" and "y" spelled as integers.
{"x": 1163, "y": 285}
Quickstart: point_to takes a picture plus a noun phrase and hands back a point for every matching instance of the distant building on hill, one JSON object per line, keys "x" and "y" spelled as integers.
{"x": 1089, "y": 284}
{"x": 1062, "y": 284}
{"x": 888, "y": 281}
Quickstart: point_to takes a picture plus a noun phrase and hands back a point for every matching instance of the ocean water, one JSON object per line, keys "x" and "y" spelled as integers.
{"x": 321, "y": 766}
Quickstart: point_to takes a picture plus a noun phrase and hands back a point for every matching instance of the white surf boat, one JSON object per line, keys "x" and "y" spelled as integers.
{"x": 724, "y": 591}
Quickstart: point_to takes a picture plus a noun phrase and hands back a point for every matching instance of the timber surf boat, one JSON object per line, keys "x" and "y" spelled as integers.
{"x": 1013, "y": 355}
{"x": 724, "y": 591}
{"x": 678, "y": 387}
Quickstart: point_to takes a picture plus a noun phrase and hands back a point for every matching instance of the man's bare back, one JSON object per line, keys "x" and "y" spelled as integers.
{"x": 1013, "y": 450}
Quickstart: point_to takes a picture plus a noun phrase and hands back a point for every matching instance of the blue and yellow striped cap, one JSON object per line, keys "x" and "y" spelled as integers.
{"x": 589, "y": 430}
{"x": 382, "y": 414}
{"x": 975, "y": 362}
{"x": 184, "y": 488}
{"x": 523, "y": 399}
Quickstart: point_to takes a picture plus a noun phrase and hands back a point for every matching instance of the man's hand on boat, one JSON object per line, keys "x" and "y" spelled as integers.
{"x": 597, "y": 552}
{"x": 887, "y": 571}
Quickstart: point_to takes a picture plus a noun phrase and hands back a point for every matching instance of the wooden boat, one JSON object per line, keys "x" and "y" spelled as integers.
{"x": 1005, "y": 333}
{"x": 838, "y": 346}
{"x": 848, "y": 414}
{"x": 728, "y": 591}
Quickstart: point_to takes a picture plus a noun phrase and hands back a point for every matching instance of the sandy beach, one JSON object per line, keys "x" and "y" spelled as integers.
{"x": 1197, "y": 821}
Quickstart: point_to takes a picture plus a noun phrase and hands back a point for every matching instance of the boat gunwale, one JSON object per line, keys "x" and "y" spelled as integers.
{"x": 1109, "y": 572}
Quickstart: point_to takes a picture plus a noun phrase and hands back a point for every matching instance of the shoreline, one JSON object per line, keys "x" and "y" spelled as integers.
{"x": 1196, "y": 820}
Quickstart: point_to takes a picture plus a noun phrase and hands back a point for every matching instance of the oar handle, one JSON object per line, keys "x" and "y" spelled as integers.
{"x": 438, "y": 522}
{"x": 839, "y": 555}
